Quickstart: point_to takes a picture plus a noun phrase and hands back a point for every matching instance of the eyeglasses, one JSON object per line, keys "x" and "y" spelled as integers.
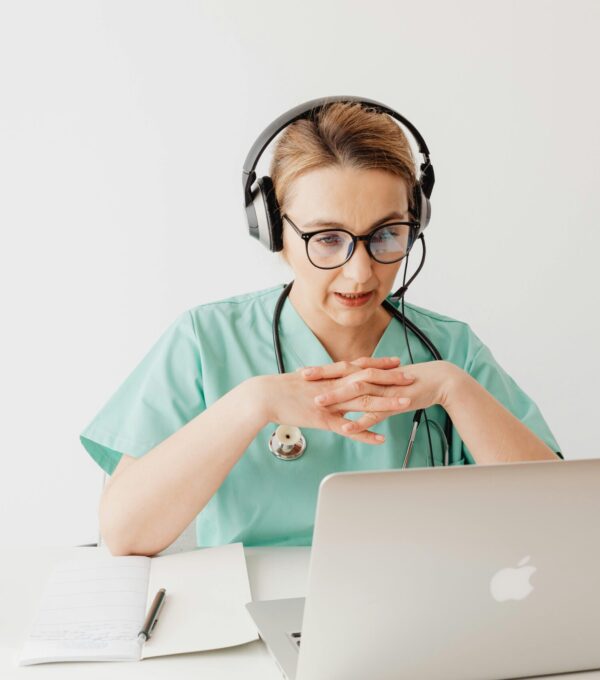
{"x": 331, "y": 248}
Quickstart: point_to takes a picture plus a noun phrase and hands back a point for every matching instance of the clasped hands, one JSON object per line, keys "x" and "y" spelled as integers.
{"x": 377, "y": 388}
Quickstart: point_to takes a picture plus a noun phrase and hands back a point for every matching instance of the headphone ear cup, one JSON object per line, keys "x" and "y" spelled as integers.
{"x": 427, "y": 178}
{"x": 422, "y": 207}
{"x": 268, "y": 218}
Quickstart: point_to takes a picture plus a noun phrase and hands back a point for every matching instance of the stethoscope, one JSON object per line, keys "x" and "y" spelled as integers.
{"x": 288, "y": 442}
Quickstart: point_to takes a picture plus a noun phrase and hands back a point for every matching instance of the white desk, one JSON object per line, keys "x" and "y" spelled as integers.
{"x": 273, "y": 572}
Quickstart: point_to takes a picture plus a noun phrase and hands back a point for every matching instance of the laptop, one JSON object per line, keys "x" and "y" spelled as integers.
{"x": 482, "y": 572}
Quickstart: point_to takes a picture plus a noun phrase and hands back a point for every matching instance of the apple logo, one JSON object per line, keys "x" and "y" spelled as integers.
{"x": 512, "y": 584}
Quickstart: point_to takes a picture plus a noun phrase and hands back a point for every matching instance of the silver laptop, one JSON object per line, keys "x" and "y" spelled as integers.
{"x": 468, "y": 573}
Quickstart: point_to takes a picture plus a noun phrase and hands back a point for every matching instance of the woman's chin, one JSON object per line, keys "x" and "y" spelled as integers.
{"x": 351, "y": 316}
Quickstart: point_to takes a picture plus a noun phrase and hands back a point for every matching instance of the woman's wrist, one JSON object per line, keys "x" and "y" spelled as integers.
{"x": 258, "y": 395}
{"x": 454, "y": 380}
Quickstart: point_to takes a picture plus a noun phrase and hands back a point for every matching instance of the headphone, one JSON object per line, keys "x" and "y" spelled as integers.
{"x": 262, "y": 209}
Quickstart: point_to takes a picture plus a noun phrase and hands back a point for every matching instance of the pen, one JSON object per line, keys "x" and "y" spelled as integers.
{"x": 152, "y": 616}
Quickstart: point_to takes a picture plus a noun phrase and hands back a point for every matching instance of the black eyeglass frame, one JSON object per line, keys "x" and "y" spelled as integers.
{"x": 307, "y": 235}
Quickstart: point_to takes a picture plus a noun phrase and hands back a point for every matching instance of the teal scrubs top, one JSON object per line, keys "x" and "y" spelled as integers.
{"x": 213, "y": 347}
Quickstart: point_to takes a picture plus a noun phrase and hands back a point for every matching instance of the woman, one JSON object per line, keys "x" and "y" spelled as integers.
{"x": 187, "y": 434}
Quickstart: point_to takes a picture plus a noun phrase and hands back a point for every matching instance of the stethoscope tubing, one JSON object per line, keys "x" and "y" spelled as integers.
{"x": 389, "y": 307}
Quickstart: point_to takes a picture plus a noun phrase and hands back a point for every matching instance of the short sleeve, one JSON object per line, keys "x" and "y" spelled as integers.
{"x": 487, "y": 371}
{"x": 162, "y": 393}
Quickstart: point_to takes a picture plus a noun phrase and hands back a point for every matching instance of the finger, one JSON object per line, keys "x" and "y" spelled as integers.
{"x": 359, "y": 389}
{"x": 371, "y": 404}
{"x": 367, "y": 420}
{"x": 340, "y": 369}
{"x": 377, "y": 362}
{"x": 394, "y": 376}
{"x": 360, "y": 435}
{"x": 363, "y": 435}
{"x": 366, "y": 437}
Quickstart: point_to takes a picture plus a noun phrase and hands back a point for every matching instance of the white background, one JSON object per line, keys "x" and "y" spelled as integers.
{"x": 123, "y": 130}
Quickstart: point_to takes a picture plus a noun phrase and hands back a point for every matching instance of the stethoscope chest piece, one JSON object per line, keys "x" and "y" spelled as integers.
{"x": 287, "y": 442}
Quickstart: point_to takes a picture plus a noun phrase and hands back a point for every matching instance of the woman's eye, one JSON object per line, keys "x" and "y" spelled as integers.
{"x": 328, "y": 240}
{"x": 383, "y": 237}
{"x": 388, "y": 236}
{"x": 391, "y": 232}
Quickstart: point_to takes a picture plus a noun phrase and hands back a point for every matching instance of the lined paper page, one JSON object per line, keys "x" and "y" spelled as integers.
{"x": 90, "y": 611}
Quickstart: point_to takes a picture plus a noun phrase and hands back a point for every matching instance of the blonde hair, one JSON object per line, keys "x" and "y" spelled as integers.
{"x": 345, "y": 134}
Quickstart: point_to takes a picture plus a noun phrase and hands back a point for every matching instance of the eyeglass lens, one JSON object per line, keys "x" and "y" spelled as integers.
{"x": 332, "y": 248}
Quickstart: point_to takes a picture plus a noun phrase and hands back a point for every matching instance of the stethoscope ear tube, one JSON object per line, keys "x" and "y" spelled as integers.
{"x": 411, "y": 441}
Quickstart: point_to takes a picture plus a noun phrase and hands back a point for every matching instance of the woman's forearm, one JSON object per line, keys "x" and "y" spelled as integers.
{"x": 152, "y": 500}
{"x": 490, "y": 431}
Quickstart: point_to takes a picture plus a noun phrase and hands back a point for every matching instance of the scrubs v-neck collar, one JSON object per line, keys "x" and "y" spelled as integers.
{"x": 300, "y": 343}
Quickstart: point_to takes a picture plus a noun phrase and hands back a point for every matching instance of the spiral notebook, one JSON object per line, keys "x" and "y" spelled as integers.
{"x": 93, "y": 608}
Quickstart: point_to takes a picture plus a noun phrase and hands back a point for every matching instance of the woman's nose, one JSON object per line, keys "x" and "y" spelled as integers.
{"x": 360, "y": 266}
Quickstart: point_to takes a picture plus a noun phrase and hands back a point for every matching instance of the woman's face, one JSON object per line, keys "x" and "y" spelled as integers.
{"x": 356, "y": 200}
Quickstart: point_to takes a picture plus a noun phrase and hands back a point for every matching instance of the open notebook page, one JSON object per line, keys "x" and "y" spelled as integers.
{"x": 90, "y": 611}
{"x": 204, "y": 607}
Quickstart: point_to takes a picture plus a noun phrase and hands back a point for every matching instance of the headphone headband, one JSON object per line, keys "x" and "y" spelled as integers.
{"x": 305, "y": 110}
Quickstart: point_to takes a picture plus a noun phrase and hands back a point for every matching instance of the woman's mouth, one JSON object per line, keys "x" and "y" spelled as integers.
{"x": 353, "y": 299}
